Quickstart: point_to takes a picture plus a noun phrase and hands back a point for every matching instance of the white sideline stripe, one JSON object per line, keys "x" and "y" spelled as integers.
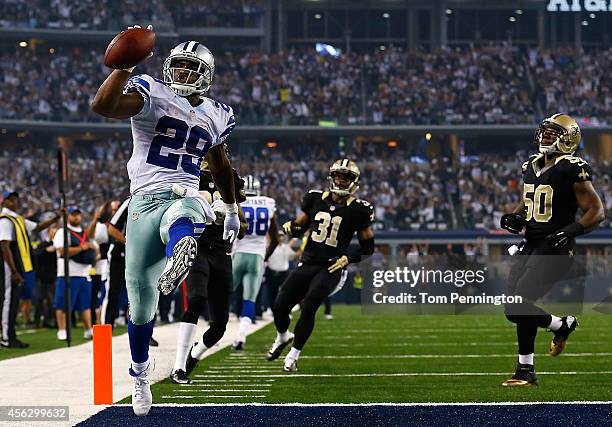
{"x": 442, "y": 356}
{"x": 421, "y": 374}
{"x": 214, "y": 397}
{"x": 408, "y": 404}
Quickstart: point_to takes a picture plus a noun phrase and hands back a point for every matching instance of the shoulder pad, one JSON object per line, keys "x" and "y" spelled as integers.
{"x": 223, "y": 117}
{"x": 571, "y": 159}
{"x": 524, "y": 166}
{"x": 365, "y": 203}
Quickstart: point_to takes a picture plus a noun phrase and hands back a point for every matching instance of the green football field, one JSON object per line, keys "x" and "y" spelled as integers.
{"x": 356, "y": 358}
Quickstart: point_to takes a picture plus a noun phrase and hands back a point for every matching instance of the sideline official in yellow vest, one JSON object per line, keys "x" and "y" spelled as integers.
{"x": 17, "y": 279}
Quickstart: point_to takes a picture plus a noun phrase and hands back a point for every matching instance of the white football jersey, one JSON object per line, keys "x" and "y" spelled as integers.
{"x": 258, "y": 211}
{"x": 171, "y": 137}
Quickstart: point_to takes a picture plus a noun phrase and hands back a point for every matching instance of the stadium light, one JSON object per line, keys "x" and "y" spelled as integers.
{"x": 512, "y": 19}
{"x": 381, "y": 47}
{"x": 585, "y": 23}
{"x": 317, "y": 16}
{"x": 386, "y": 15}
{"x": 449, "y": 11}
{"x": 428, "y": 136}
{"x": 23, "y": 44}
{"x": 592, "y": 15}
{"x": 519, "y": 11}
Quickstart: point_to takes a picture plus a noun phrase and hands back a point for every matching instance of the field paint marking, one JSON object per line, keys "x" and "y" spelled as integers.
{"x": 420, "y": 374}
{"x": 231, "y": 381}
{"x": 443, "y": 356}
{"x": 223, "y": 390}
{"x": 296, "y": 404}
{"x": 235, "y": 372}
{"x": 441, "y": 344}
{"x": 509, "y": 335}
{"x": 214, "y": 397}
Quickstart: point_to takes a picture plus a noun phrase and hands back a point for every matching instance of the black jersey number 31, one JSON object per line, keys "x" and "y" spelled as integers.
{"x": 320, "y": 235}
{"x": 538, "y": 201}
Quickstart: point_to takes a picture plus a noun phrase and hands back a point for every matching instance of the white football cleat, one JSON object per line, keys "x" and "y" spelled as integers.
{"x": 62, "y": 335}
{"x": 178, "y": 265}
{"x": 88, "y": 334}
{"x": 290, "y": 365}
{"x": 278, "y": 346}
{"x": 142, "y": 398}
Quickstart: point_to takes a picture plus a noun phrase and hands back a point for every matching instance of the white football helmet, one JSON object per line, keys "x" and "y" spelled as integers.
{"x": 252, "y": 186}
{"x": 201, "y": 57}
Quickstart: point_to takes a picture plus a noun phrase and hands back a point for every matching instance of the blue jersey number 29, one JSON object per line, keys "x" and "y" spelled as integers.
{"x": 257, "y": 220}
{"x": 183, "y": 137}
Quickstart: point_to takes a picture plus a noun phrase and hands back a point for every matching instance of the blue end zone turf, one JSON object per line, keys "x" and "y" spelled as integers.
{"x": 375, "y": 415}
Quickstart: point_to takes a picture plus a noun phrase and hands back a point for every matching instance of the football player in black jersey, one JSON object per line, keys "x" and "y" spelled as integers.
{"x": 332, "y": 217}
{"x": 555, "y": 185}
{"x": 209, "y": 283}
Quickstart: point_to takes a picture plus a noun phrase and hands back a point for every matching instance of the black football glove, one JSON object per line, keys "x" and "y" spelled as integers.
{"x": 558, "y": 240}
{"x": 513, "y": 222}
{"x": 561, "y": 238}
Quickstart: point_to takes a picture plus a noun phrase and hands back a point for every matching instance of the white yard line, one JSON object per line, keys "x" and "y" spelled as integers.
{"x": 414, "y": 374}
{"x": 441, "y": 356}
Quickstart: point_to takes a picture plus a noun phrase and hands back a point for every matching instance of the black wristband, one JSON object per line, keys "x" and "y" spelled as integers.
{"x": 574, "y": 229}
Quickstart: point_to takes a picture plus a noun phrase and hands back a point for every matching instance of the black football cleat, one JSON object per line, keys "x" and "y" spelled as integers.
{"x": 559, "y": 341}
{"x": 277, "y": 348}
{"x": 14, "y": 344}
{"x": 191, "y": 362}
{"x": 238, "y": 345}
{"x": 523, "y": 377}
{"x": 153, "y": 342}
{"x": 179, "y": 377}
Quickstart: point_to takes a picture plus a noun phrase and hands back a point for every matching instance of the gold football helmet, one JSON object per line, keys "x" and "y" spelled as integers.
{"x": 568, "y": 132}
{"x": 349, "y": 169}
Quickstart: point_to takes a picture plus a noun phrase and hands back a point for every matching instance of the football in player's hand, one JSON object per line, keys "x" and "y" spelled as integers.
{"x": 129, "y": 48}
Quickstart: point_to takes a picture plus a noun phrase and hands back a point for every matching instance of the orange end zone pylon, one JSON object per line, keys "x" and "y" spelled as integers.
{"x": 103, "y": 364}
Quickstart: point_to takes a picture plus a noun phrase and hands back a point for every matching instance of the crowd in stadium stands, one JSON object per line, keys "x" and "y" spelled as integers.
{"x": 299, "y": 87}
{"x": 114, "y": 15}
{"x": 217, "y": 13}
{"x": 80, "y": 14}
{"x": 408, "y": 191}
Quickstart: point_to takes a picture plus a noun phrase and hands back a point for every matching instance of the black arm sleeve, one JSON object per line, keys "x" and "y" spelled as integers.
{"x": 359, "y": 253}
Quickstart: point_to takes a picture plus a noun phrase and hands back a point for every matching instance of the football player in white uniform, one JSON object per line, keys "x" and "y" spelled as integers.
{"x": 250, "y": 252}
{"x": 174, "y": 126}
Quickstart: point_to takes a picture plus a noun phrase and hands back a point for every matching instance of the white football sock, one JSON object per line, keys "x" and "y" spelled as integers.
{"x": 139, "y": 367}
{"x": 283, "y": 337}
{"x": 294, "y": 353}
{"x": 245, "y": 324}
{"x": 526, "y": 359}
{"x": 198, "y": 350}
{"x": 183, "y": 344}
{"x": 555, "y": 323}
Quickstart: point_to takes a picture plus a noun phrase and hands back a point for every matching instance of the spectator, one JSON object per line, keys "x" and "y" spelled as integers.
{"x": 82, "y": 256}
